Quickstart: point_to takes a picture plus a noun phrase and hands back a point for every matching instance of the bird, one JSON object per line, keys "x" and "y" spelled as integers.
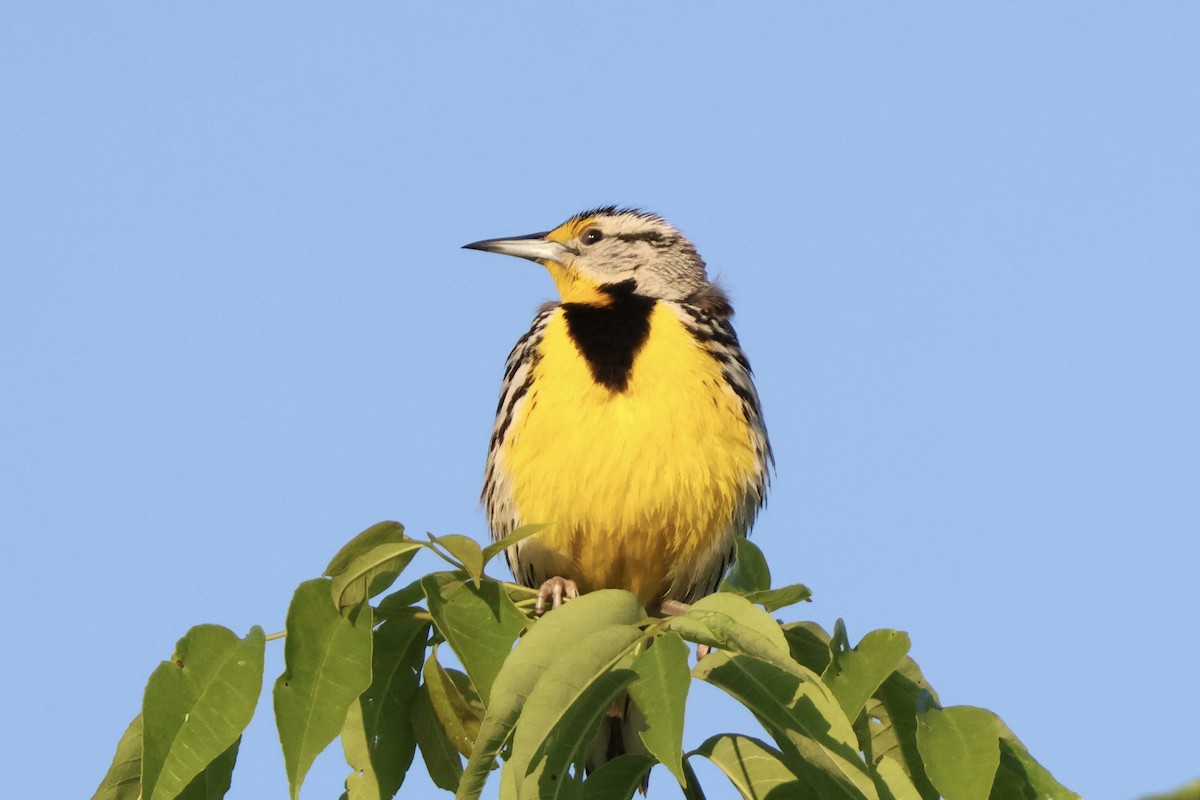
{"x": 628, "y": 420}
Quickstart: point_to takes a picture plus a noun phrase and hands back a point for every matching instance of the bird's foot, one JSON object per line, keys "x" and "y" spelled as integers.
{"x": 673, "y": 608}
{"x": 556, "y": 590}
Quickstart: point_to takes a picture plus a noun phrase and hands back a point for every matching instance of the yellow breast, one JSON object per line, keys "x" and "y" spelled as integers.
{"x": 644, "y": 488}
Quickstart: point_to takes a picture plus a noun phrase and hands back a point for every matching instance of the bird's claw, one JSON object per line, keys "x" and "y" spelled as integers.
{"x": 673, "y": 608}
{"x": 556, "y": 590}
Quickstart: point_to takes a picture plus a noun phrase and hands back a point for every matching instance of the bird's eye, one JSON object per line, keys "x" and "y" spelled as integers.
{"x": 591, "y": 236}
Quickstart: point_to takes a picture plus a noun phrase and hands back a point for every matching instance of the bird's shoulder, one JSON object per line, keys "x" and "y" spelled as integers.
{"x": 526, "y": 348}
{"x": 707, "y": 314}
{"x": 711, "y": 300}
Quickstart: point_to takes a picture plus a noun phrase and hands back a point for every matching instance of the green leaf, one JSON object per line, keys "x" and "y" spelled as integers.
{"x": 617, "y": 779}
{"x": 328, "y": 665}
{"x": 214, "y": 781}
{"x": 575, "y": 689}
{"x": 197, "y": 704}
{"x": 363, "y": 782}
{"x": 540, "y": 646}
{"x": 961, "y": 750}
{"x": 693, "y": 790}
{"x": 893, "y": 716}
{"x": 124, "y": 778}
{"x": 459, "y": 717}
{"x": 808, "y": 644}
{"x": 377, "y": 736}
{"x": 755, "y": 768}
{"x": 731, "y": 622}
{"x": 893, "y": 782}
{"x": 369, "y": 563}
{"x": 520, "y": 594}
{"x": 774, "y": 599}
{"x": 816, "y": 739}
{"x": 521, "y": 533}
{"x": 1035, "y": 780}
{"x": 750, "y": 572}
{"x": 464, "y": 549}
{"x": 442, "y": 760}
{"x": 508, "y": 785}
{"x": 855, "y": 675}
{"x": 123, "y": 781}
{"x": 660, "y": 691}
{"x": 1011, "y": 782}
{"x": 564, "y": 740}
{"x": 400, "y": 602}
{"x": 478, "y": 621}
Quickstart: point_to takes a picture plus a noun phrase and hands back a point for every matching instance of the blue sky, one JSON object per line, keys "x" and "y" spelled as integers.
{"x": 236, "y": 327}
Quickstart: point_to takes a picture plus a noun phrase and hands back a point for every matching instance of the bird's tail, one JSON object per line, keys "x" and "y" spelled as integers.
{"x": 620, "y": 733}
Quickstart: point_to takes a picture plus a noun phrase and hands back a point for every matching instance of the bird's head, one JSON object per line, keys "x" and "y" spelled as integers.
{"x": 594, "y": 252}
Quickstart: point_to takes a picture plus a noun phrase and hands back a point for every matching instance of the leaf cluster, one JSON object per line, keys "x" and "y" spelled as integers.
{"x": 455, "y": 666}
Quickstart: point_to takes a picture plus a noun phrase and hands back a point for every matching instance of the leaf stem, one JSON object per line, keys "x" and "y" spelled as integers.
{"x": 437, "y": 550}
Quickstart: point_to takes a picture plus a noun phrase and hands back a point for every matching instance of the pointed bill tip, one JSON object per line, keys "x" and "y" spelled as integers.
{"x": 535, "y": 247}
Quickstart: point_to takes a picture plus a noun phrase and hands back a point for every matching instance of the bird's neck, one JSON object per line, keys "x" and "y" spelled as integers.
{"x": 609, "y": 335}
{"x": 575, "y": 288}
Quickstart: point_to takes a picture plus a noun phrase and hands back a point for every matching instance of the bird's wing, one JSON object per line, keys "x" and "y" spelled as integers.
{"x": 714, "y": 330}
{"x": 518, "y": 376}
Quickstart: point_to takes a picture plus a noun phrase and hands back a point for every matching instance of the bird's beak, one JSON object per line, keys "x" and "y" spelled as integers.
{"x": 535, "y": 247}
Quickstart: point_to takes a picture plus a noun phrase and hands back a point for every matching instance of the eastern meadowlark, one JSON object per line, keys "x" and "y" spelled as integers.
{"x": 629, "y": 421}
{"x": 628, "y": 418}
